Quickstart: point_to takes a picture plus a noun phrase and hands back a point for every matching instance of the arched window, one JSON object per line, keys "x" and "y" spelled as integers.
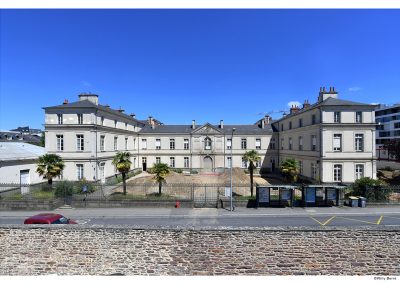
{"x": 207, "y": 143}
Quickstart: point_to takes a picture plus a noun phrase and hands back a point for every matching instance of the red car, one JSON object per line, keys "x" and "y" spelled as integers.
{"x": 49, "y": 218}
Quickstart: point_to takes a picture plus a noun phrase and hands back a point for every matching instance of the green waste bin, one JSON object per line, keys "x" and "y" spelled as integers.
{"x": 362, "y": 201}
{"x": 353, "y": 201}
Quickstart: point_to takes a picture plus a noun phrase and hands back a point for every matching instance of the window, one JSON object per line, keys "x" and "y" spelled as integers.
{"x": 336, "y": 117}
{"x": 158, "y": 160}
{"x": 134, "y": 143}
{"x": 337, "y": 142}
{"x": 290, "y": 143}
{"x": 229, "y": 144}
{"x": 244, "y": 163}
{"x": 258, "y": 143}
{"x": 359, "y": 171}
{"x": 172, "y": 144}
{"x": 80, "y": 118}
{"x": 229, "y": 162}
{"x": 272, "y": 144}
{"x": 337, "y": 173}
{"x": 313, "y": 171}
{"x": 300, "y": 143}
{"x": 126, "y": 143}
{"x": 144, "y": 160}
{"x": 301, "y": 167}
{"x": 290, "y": 125}
{"x": 79, "y": 142}
{"x": 313, "y": 119}
{"x": 207, "y": 143}
{"x": 60, "y": 142}
{"x": 282, "y": 141}
{"x": 126, "y": 125}
{"x": 144, "y": 144}
{"x": 60, "y": 118}
{"x": 115, "y": 123}
{"x": 102, "y": 120}
{"x": 358, "y": 117}
{"x": 186, "y": 144}
{"x": 313, "y": 143}
{"x": 359, "y": 142}
{"x": 258, "y": 164}
{"x": 102, "y": 137}
{"x": 186, "y": 162}
{"x": 79, "y": 171}
{"x": 300, "y": 122}
{"x": 172, "y": 162}
{"x": 115, "y": 143}
{"x": 158, "y": 144}
{"x": 244, "y": 143}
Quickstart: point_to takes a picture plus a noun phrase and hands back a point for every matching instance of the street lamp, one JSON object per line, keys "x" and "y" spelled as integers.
{"x": 233, "y": 130}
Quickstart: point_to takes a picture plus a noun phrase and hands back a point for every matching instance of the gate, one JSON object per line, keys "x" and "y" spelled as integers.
{"x": 206, "y": 195}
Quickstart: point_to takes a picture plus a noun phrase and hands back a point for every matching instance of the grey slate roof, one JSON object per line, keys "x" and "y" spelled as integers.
{"x": 89, "y": 104}
{"x": 187, "y": 129}
{"x": 329, "y": 102}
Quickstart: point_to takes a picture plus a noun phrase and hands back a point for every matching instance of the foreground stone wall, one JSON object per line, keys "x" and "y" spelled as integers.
{"x": 76, "y": 250}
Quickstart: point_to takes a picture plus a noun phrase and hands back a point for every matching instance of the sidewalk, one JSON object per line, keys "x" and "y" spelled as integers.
{"x": 209, "y": 212}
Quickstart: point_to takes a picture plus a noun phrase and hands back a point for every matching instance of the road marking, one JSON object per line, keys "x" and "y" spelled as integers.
{"x": 324, "y": 223}
{"x": 373, "y": 223}
{"x": 392, "y": 217}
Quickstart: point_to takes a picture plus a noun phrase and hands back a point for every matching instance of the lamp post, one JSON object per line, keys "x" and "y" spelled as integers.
{"x": 233, "y": 130}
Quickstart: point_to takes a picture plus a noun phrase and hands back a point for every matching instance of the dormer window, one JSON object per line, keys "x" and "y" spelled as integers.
{"x": 80, "y": 118}
{"x": 60, "y": 118}
{"x": 207, "y": 143}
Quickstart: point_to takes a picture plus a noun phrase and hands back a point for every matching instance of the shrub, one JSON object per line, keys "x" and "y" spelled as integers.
{"x": 194, "y": 172}
{"x": 179, "y": 171}
{"x": 372, "y": 189}
{"x": 64, "y": 188}
{"x": 83, "y": 182}
{"x": 388, "y": 168}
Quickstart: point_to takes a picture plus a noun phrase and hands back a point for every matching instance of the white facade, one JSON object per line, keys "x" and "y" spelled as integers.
{"x": 87, "y": 136}
{"x": 337, "y": 139}
{"x": 18, "y": 162}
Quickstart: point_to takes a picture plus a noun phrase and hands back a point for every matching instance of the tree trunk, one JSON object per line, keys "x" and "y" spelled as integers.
{"x": 159, "y": 188}
{"x": 251, "y": 179}
{"x": 124, "y": 182}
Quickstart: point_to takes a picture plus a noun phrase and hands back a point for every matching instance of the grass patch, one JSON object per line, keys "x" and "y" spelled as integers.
{"x": 14, "y": 196}
{"x": 43, "y": 194}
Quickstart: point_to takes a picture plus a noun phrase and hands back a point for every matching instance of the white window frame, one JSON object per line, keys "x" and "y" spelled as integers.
{"x": 172, "y": 162}
{"x": 300, "y": 143}
{"x": 79, "y": 171}
{"x": 158, "y": 160}
{"x": 359, "y": 116}
{"x": 158, "y": 143}
{"x": 60, "y": 142}
{"x": 80, "y": 118}
{"x": 80, "y": 142}
{"x": 186, "y": 162}
{"x": 115, "y": 143}
{"x": 243, "y": 143}
{"x": 337, "y": 117}
{"x": 359, "y": 174}
{"x": 313, "y": 142}
{"x": 126, "y": 143}
{"x": 102, "y": 143}
{"x": 60, "y": 118}
{"x": 144, "y": 144}
{"x": 290, "y": 143}
{"x": 337, "y": 173}
{"x": 228, "y": 143}
{"x": 172, "y": 144}
{"x": 244, "y": 164}
{"x": 186, "y": 144}
{"x": 337, "y": 142}
{"x": 359, "y": 142}
{"x": 258, "y": 143}
{"x": 228, "y": 161}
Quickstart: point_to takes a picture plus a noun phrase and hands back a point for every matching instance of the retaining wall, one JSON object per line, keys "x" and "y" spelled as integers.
{"x": 77, "y": 250}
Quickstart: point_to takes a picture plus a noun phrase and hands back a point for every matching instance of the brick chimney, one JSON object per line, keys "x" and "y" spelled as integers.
{"x": 65, "y": 102}
{"x": 133, "y": 115}
{"x": 221, "y": 124}
{"x": 324, "y": 94}
{"x": 193, "y": 124}
{"x": 121, "y": 109}
{"x": 306, "y": 104}
{"x": 294, "y": 109}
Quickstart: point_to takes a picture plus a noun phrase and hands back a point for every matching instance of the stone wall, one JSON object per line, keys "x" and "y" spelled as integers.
{"x": 77, "y": 250}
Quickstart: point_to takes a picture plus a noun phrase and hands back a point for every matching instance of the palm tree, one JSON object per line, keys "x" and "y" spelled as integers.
{"x": 161, "y": 171}
{"x": 251, "y": 157}
{"x": 290, "y": 169}
{"x": 123, "y": 164}
{"x": 50, "y": 166}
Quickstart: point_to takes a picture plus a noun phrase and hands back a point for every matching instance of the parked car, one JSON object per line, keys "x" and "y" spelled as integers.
{"x": 49, "y": 218}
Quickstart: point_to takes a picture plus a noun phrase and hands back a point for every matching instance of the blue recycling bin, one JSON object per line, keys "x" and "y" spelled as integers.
{"x": 353, "y": 201}
{"x": 362, "y": 202}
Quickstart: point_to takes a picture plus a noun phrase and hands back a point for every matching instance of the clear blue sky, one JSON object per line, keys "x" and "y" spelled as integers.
{"x": 179, "y": 65}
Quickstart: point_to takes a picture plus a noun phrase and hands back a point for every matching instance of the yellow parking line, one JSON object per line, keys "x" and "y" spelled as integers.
{"x": 377, "y": 223}
{"x": 322, "y": 224}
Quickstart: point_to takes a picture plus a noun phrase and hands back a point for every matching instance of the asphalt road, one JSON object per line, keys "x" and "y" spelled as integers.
{"x": 223, "y": 218}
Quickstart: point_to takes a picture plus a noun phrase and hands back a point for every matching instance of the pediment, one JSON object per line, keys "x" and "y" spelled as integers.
{"x": 207, "y": 129}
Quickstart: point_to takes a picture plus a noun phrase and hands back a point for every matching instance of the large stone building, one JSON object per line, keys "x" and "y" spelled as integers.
{"x": 87, "y": 135}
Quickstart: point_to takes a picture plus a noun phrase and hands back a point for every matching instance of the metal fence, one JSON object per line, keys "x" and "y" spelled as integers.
{"x": 85, "y": 193}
